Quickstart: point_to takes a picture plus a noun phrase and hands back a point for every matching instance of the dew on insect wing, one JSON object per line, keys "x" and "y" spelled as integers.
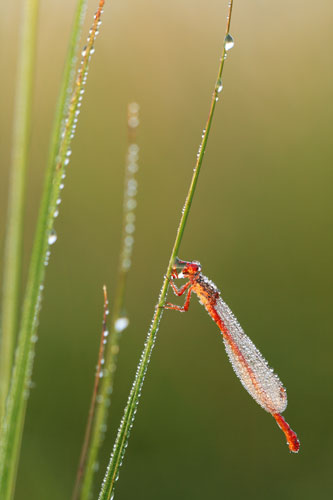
{"x": 52, "y": 237}
{"x": 228, "y": 42}
{"x": 219, "y": 85}
{"x": 121, "y": 324}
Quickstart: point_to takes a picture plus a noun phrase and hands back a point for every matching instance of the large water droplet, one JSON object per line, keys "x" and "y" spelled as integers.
{"x": 121, "y": 324}
{"x": 52, "y": 237}
{"x": 228, "y": 42}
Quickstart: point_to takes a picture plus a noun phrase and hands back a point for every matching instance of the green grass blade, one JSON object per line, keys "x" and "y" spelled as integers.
{"x": 112, "y": 471}
{"x": 117, "y": 327}
{"x": 14, "y": 228}
{"x": 12, "y": 427}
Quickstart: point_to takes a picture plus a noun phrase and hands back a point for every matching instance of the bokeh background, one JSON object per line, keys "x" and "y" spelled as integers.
{"x": 261, "y": 225}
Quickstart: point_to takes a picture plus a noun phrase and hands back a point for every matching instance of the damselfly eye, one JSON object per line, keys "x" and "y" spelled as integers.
{"x": 195, "y": 267}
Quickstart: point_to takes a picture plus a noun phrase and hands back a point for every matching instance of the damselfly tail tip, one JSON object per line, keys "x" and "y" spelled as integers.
{"x": 292, "y": 439}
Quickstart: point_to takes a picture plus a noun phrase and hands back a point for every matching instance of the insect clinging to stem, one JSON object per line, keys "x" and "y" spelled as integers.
{"x": 248, "y": 363}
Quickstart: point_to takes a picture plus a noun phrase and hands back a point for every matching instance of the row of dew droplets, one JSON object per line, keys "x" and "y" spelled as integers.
{"x": 119, "y": 321}
{"x": 130, "y": 190}
{"x": 64, "y": 154}
{"x": 70, "y": 123}
{"x": 121, "y": 443}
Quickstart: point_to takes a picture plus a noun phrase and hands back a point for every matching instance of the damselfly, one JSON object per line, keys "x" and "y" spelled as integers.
{"x": 248, "y": 363}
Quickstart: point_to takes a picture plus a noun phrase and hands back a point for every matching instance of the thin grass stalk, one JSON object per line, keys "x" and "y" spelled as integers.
{"x": 12, "y": 261}
{"x": 19, "y": 391}
{"x": 112, "y": 471}
{"x": 92, "y": 409}
{"x": 118, "y": 321}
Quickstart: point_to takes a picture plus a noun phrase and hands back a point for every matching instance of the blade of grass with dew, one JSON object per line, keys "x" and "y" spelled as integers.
{"x": 118, "y": 322}
{"x": 12, "y": 261}
{"x": 98, "y": 375}
{"x": 45, "y": 236}
{"x": 126, "y": 424}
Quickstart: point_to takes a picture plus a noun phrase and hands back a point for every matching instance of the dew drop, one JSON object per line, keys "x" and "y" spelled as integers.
{"x": 52, "y": 237}
{"x": 121, "y": 324}
{"x": 219, "y": 85}
{"x": 228, "y": 42}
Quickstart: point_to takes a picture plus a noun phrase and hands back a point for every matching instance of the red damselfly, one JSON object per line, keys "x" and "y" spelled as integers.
{"x": 248, "y": 363}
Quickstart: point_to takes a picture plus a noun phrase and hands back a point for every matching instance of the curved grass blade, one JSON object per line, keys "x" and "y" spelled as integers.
{"x": 119, "y": 322}
{"x": 12, "y": 261}
{"x": 112, "y": 471}
{"x": 59, "y": 158}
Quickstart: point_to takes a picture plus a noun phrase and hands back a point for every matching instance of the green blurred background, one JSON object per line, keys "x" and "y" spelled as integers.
{"x": 261, "y": 225}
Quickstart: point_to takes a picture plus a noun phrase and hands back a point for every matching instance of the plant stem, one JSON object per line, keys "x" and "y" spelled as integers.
{"x": 62, "y": 135}
{"x": 112, "y": 348}
{"x": 112, "y": 472}
{"x": 92, "y": 409}
{"x": 14, "y": 228}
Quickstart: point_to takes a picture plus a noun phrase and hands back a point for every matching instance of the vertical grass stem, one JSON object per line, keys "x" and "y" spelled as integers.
{"x": 14, "y": 228}
{"x": 112, "y": 471}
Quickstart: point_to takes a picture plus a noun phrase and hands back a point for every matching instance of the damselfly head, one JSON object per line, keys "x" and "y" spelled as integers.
{"x": 185, "y": 268}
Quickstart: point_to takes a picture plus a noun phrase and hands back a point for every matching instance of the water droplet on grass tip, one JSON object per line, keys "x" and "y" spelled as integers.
{"x": 228, "y": 42}
{"x": 52, "y": 237}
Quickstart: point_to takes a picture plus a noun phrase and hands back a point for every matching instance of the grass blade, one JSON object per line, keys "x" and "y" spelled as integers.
{"x": 14, "y": 228}
{"x": 99, "y": 373}
{"x": 112, "y": 471}
{"x": 118, "y": 323}
{"x": 59, "y": 157}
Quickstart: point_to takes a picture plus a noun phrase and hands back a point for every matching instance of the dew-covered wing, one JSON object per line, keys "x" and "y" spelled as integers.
{"x": 250, "y": 366}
